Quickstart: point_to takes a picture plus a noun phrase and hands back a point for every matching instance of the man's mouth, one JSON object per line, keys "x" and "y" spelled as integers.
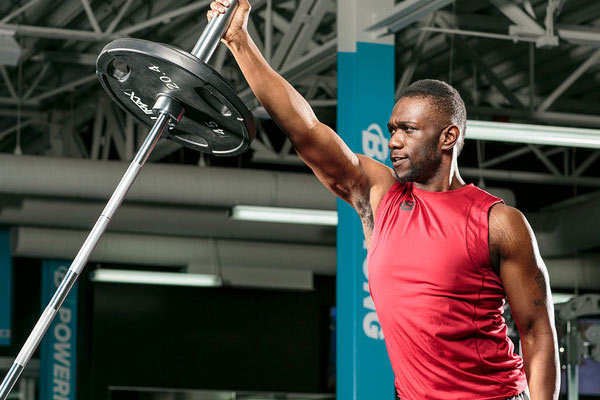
{"x": 396, "y": 161}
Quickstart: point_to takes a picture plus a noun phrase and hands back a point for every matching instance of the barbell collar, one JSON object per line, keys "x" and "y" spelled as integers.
{"x": 170, "y": 107}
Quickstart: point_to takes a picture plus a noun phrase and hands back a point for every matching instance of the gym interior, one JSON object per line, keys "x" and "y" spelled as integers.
{"x": 224, "y": 270}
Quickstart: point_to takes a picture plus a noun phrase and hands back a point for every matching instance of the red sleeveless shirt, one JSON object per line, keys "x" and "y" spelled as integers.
{"x": 438, "y": 300}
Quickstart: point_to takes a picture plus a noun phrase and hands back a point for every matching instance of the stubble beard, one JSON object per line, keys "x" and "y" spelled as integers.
{"x": 424, "y": 170}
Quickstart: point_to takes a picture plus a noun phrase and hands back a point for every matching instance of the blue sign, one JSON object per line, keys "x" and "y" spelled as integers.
{"x": 58, "y": 351}
{"x": 365, "y": 101}
{"x": 5, "y": 288}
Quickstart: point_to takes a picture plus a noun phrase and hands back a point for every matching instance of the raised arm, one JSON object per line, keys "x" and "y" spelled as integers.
{"x": 525, "y": 281}
{"x": 336, "y": 166}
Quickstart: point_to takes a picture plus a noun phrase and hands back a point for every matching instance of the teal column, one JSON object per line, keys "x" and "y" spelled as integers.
{"x": 58, "y": 350}
{"x": 365, "y": 100}
{"x": 5, "y": 288}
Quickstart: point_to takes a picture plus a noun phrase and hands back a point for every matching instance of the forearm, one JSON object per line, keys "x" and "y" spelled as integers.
{"x": 283, "y": 103}
{"x": 541, "y": 365}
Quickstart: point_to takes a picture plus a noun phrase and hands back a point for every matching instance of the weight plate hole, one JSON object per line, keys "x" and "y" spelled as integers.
{"x": 213, "y": 101}
{"x": 119, "y": 70}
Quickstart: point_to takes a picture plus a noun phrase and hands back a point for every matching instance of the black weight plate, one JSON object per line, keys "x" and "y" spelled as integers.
{"x": 134, "y": 72}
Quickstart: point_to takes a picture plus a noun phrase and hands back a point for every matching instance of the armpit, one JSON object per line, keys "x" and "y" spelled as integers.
{"x": 363, "y": 207}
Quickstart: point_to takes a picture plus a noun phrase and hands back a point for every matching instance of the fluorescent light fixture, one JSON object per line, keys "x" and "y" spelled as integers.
{"x": 533, "y": 134}
{"x": 559, "y": 298}
{"x": 154, "y": 278}
{"x": 284, "y": 215}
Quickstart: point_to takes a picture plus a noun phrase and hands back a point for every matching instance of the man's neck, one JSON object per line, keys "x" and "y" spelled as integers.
{"x": 447, "y": 178}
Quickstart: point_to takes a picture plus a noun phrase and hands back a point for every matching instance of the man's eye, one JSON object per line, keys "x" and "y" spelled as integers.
{"x": 408, "y": 128}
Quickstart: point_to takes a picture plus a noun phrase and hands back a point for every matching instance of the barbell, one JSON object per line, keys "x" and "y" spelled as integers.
{"x": 169, "y": 90}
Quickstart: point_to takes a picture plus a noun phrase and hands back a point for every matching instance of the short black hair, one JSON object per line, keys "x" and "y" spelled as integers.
{"x": 446, "y": 98}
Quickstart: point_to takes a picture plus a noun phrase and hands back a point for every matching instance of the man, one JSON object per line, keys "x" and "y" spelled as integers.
{"x": 443, "y": 255}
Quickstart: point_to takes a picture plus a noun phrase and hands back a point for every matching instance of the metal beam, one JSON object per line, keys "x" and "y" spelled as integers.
{"x": 115, "y": 22}
{"x": 5, "y": 133}
{"x": 8, "y": 83}
{"x": 38, "y": 78}
{"x": 506, "y": 157}
{"x": 65, "y": 88}
{"x": 405, "y": 13}
{"x": 580, "y": 35}
{"x": 13, "y": 102}
{"x": 115, "y": 130}
{"x": 314, "y": 18}
{"x": 529, "y": 177}
{"x": 66, "y": 57}
{"x": 518, "y": 16}
{"x": 587, "y": 163}
{"x": 12, "y": 113}
{"x": 311, "y": 63}
{"x": 268, "y": 18}
{"x": 163, "y": 17}
{"x": 288, "y": 38}
{"x": 593, "y": 59}
{"x": 487, "y": 72}
{"x": 409, "y": 70}
{"x": 97, "y": 130}
{"x": 544, "y": 159}
{"x": 90, "y": 15}
{"x": 57, "y": 33}
{"x": 18, "y": 11}
{"x": 571, "y": 119}
{"x": 489, "y": 26}
{"x": 487, "y": 35}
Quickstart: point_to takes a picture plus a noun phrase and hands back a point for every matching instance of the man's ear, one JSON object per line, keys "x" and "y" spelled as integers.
{"x": 450, "y": 137}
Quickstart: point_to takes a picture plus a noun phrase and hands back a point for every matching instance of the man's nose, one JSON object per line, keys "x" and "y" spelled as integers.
{"x": 395, "y": 142}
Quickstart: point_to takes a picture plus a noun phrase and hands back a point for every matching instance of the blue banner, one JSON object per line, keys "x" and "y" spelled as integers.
{"x": 58, "y": 351}
{"x": 5, "y": 288}
{"x": 365, "y": 102}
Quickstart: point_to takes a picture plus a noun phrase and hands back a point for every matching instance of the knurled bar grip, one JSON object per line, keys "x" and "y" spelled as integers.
{"x": 212, "y": 34}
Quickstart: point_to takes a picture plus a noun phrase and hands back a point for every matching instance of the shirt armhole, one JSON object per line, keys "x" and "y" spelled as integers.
{"x": 477, "y": 234}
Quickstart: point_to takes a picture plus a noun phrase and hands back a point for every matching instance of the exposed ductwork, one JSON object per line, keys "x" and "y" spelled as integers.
{"x": 582, "y": 272}
{"x": 161, "y": 183}
{"x": 232, "y": 258}
{"x": 203, "y": 255}
{"x": 157, "y": 220}
{"x": 568, "y": 227}
{"x": 178, "y": 208}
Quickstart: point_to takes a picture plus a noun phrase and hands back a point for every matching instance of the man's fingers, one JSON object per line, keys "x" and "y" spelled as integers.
{"x": 218, "y": 6}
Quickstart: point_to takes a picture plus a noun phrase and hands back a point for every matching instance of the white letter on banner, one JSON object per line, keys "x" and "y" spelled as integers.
{"x": 370, "y": 320}
{"x": 62, "y": 353}
{"x": 61, "y": 388}
{"x": 62, "y": 332}
{"x": 371, "y": 326}
{"x": 65, "y": 315}
{"x": 61, "y": 372}
{"x": 374, "y": 143}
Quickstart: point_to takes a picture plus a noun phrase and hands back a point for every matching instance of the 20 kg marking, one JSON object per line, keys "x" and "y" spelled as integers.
{"x": 168, "y": 82}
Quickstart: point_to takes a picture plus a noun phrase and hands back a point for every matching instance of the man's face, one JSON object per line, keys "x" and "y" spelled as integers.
{"x": 415, "y": 148}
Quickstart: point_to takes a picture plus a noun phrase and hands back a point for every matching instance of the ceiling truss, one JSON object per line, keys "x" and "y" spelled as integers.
{"x": 536, "y": 62}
